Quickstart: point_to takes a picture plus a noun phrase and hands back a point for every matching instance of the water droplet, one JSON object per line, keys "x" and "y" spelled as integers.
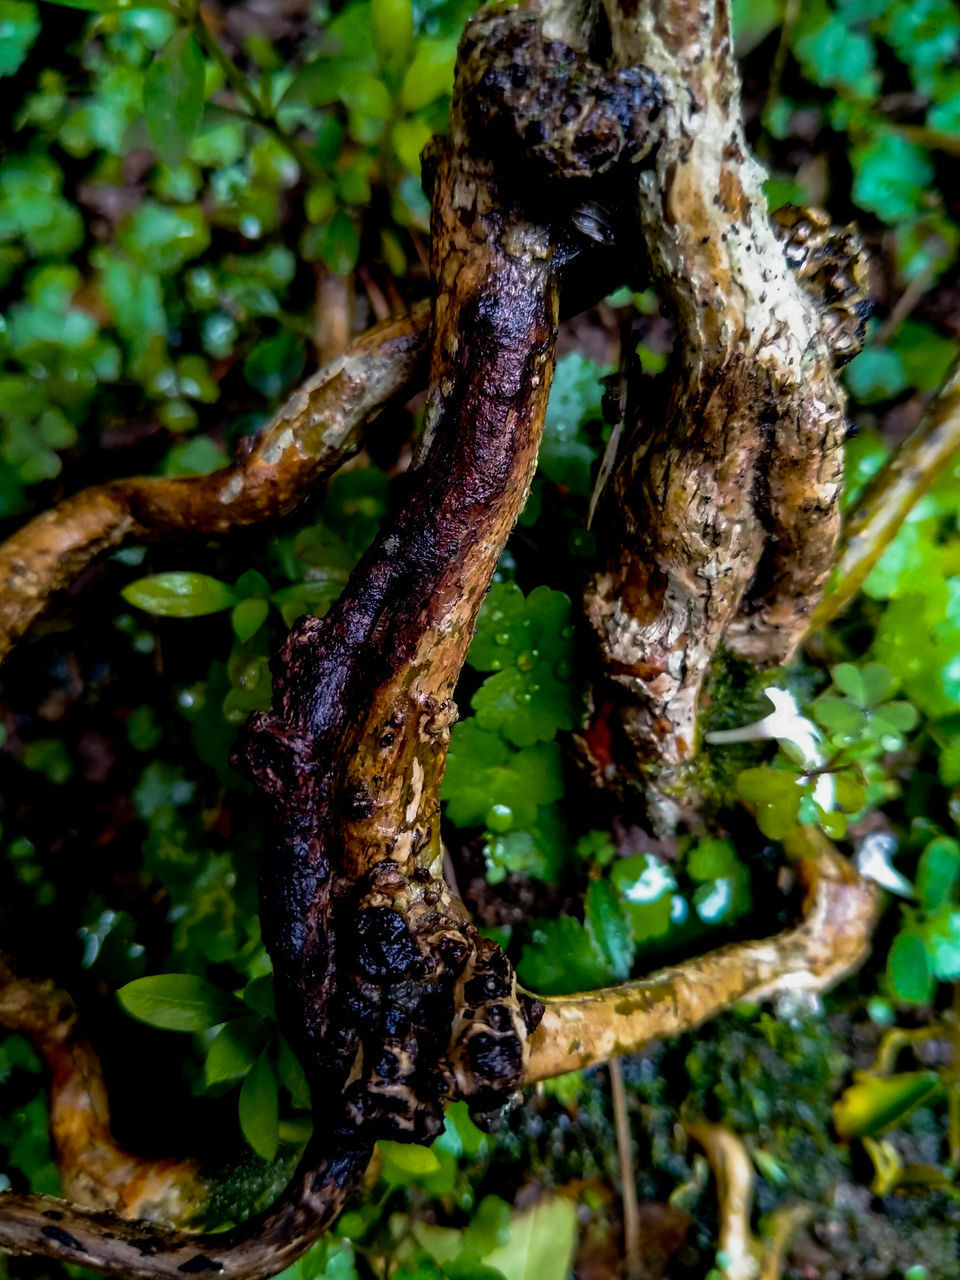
{"x": 502, "y": 637}
{"x": 527, "y": 660}
{"x": 567, "y": 633}
{"x": 499, "y": 817}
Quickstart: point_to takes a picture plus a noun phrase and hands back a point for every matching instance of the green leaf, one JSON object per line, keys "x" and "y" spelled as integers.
{"x": 483, "y": 771}
{"x": 567, "y": 452}
{"x": 173, "y": 96}
{"x": 875, "y": 374}
{"x": 391, "y": 22}
{"x": 542, "y": 1242}
{"x": 872, "y": 1105}
{"x": 178, "y": 1002}
{"x": 891, "y": 179}
{"x": 609, "y": 928}
{"x": 275, "y": 362}
{"x": 340, "y": 244}
{"x": 410, "y": 1162}
{"x": 646, "y": 887}
{"x": 248, "y": 617}
{"x": 179, "y": 594}
{"x": 19, "y": 28}
{"x": 939, "y": 872}
{"x": 834, "y": 55}
{"x": 941, "y": 932}
{"x": 776, "y": 796}
{"x": 560, "y": 957}
{"x": 234, "y": 1049}
{"x": 259, "y": 1108}
{"x": 430, "y": 75}
{"x": 111, "y": 6}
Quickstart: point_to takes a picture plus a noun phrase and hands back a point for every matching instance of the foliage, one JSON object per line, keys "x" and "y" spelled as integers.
{"x": 178, "y": 187}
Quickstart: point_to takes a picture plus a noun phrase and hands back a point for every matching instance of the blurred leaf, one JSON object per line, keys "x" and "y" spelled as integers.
{"x": 259, "y": 1108}
{"x": 392, "y": 26}
{"x": 179, "y": 594}
{"x": 872, "y": 1105}
{"x": 541, "y": 1244}
{"x": 430, "y": 75}
{"x": 275, "y": 363}
{"x": 19, "y": 28}
{"x": 178, "y": 1002}
{"x": 173, "y": 90}
{"x": 891, "y": 178}
{"x": 939, "y": 872}
{"x": 776, "y": 796}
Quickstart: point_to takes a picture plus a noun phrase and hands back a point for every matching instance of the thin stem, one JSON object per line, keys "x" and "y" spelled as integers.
{"x": 631, "y": 1211}
{"x": 891, "y": 495}
{"x": 258, "y": 108}
{"x": 953, "y": 1092}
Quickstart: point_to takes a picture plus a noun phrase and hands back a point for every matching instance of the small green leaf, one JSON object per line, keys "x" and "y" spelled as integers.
{"x": 259, "y": 1108}
{"x": 248, "y": 617}
{"x": 234, "y": 1049}
{"x": 938, "y": 872}
{"x": 173, "y": 96}
{"x": 410, "y": 1161}
{"x": 609, "y": 927}
{"x": 776, "y": 796}
{"x": 178, "y": 1002}
{"x": 872, "y": 1105}
{"x": 391, "y": 22}
{"x": 19, "y": 28}
{"x": 908, "y": 968}
{"x": 179, "y": 594}
{"x": 275, "y": 362}
{"x": 430, "y": 75}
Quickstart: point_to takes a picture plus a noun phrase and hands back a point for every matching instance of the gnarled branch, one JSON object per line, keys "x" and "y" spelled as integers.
{"x": 316, "y": 430}
{"x": 829, "y": 942}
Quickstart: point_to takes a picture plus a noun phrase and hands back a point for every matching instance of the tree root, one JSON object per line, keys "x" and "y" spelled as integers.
{"x": 830, "y": 941}
{"x": 316, "y": 430}
{"x": 94, "y": 1170}
{"x": 888, "y": 499}
{"x": 723, "y": 513}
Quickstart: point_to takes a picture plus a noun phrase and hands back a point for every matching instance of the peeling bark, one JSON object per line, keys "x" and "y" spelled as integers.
{"x": 310, "y": 436}
{"x": 723, "y": 516}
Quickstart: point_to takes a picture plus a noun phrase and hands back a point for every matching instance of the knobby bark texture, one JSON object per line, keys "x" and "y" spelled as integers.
{"x": 392, "y": 1000}
{"x": 723, "y": 512}
{"x": 318, "y": 428}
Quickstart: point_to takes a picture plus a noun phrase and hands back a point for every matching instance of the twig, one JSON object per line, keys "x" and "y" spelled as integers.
{"x": 315, "y": 431}
{"x": 259, "y": 111}
{"x": 890, "y": 496}
{"x": 628, "y": 1182}
{"x": 733, "y": 1171}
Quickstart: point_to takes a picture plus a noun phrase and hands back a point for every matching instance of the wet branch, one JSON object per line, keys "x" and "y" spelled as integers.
{"x": 317, "y": 429}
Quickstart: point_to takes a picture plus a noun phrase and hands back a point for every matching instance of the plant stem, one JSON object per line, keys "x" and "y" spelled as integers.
{"x": 257, "y": 107}
{"x": 891, "y": 495}
{"x": 628, "y": 1194}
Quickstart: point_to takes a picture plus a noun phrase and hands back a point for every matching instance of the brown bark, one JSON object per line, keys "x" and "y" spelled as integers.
{"x": 831, "y": 940}
{"x": 723, "y": 515}
{"x": 888, "y": 499}
{"x": 316, "y": 430}
{"x": 94, "y": 1170}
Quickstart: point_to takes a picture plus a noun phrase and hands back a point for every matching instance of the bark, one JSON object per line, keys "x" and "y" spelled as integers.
{"x": 891, "y": 495}
{"x": 309, "y": 437}
{"x": 831, "y": 940}
{"x": 723, "y": 515}
{"x": 94, "y": 1171}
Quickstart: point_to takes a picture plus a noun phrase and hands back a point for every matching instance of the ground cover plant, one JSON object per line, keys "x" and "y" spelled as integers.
{"x": 706, "y": 694}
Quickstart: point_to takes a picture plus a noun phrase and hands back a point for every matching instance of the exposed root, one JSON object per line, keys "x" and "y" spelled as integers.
{"x": 94, "y": 1170}
{"x": 315, "y": 431}
{"x": 829, "y": 942}
{"x": 891, "y": 495}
